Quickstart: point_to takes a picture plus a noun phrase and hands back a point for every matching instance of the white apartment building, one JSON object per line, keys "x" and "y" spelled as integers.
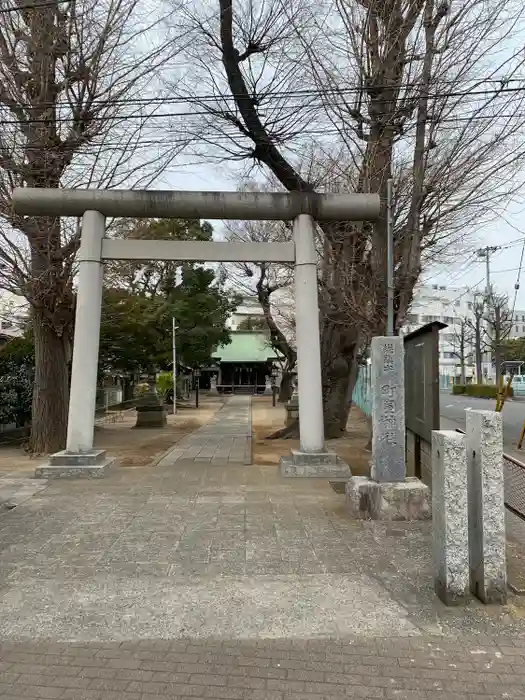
{"x": 13, "y": 315}
{"x": 517, "y": 327}
{"x": 450, "y": 305}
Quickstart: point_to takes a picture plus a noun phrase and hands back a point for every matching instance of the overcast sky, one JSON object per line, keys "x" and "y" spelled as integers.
{"x": 507, "y": 231}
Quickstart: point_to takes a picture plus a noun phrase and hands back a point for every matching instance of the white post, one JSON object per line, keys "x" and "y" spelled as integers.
{"x": 311, "y": 428}
{"x": 82, "y": 398}
{"x": 174, "y": 328}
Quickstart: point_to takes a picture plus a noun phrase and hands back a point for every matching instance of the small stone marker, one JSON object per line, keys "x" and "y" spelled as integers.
{"x": 449, "y": 515}
{"x": 486, "y": 504}
{"x": 388, "y": 409}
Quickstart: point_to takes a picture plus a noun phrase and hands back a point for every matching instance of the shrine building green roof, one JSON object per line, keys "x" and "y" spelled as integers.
{"x": 246, "y": 346}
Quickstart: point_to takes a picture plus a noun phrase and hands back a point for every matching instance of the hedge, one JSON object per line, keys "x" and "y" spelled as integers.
{"x": 480, "y": 391}
{"x": 458, "y": 388}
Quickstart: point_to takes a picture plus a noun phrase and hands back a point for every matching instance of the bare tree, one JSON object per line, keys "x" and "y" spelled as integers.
{"x": 477, "y": 331}
{"x": 77, "y": 80}
{"x": 424, "y": 91}
{"x": 498, "y": 327}
{"x": 462, "y": 345}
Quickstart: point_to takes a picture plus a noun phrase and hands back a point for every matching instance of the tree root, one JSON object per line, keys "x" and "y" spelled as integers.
{"x": 289, "y": 432}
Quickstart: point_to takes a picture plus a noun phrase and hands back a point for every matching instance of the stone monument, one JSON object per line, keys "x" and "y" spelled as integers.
{"x": 150, "y": 411}
{"x": 388, "y": 410}
{"x": 388, "y": 494}
{"x": 449, "y": 516}
{"x": 488, "y": 568}
{"x": 292, "y": 406}
{"x": 213, "y": 385}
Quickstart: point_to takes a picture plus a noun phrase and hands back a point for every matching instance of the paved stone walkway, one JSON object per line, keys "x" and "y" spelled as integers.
{"x": 226, "y": 439}
{"x": 220, "y": 580}
{"x": 16, "y": 489}
{"x": 418, "y": 668}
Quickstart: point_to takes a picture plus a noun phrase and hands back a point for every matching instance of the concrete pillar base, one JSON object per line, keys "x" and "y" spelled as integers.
{"x": 67, "y": 465}
{"x": 325, "y": 465}
{"x": 392, "y": 501}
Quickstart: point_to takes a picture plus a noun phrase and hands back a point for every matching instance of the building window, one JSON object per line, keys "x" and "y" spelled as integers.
{"x": 448, "y": 319}
{"x": 413, "y": 318}
{"x": 517, "y": 329}
{"x": 469, "y": 305}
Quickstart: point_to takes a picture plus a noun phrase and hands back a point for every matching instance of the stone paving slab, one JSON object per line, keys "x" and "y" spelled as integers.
{"x": 16, "y": 490}
{"x": 425, "y": 668}
{"x": 225, "y": 439}
{"x": 195, "y": 579}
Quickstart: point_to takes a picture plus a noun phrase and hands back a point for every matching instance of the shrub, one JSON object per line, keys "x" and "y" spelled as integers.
{"x": 164, "y": 384}
{"x": 458, "y": 388}
{"x": 16, "y": 381}
{"x": 484, "y": 391}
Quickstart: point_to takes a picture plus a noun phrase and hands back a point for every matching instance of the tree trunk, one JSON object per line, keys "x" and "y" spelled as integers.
{"x": 497, "y": 361}
{"x": 286, "y": 387}
{"x": 350, "y": 391}
{"x": 336, "y": 405}
{"x": 51, "y": 389}
{"x": 479, "y": 370}
{"x": 338, "y": 356}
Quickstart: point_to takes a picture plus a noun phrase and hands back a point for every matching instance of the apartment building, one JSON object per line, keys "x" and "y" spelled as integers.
{"x": 450, "y": 305}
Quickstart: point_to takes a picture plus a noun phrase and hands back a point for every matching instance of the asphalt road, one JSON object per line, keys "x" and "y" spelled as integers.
{"x": 454, "y": 407}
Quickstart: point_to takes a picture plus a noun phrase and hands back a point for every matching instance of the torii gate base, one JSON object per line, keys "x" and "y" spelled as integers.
{"x": 80, "y": 459}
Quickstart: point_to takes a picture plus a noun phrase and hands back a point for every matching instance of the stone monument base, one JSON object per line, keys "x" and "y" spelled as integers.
{"x": 325, "y": 465}
{"x": 66, "y": 465}
{"x": 404, "y": 500}
{"x": 151, "y": 417}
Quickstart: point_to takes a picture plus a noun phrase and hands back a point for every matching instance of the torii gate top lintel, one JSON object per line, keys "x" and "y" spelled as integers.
{"x": 268, "y": 206}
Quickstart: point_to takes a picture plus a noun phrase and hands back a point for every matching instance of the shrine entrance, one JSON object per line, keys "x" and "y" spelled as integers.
{"x": 304, "y": 209}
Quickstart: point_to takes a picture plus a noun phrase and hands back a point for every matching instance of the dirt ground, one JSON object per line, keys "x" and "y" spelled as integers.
{"x": 116, "y": 434}
{"x": 266, "y": 420}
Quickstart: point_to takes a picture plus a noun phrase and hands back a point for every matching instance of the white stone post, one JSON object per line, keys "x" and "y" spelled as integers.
{"x": 488, "y": 567}
{"x": 449, "y": 517}
{"x": 82, "y": 398}
{"x": 311, "y": 427}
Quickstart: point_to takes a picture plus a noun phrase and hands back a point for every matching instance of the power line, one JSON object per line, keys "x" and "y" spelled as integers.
{"x": 130, "y": 117}
{"x": 212, "y": 111}
{"x": 286, "y": 94}
{"x": 517, "y": 285}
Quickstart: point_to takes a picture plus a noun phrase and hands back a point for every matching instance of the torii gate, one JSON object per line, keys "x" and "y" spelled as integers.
{"x": 79, "y": 457}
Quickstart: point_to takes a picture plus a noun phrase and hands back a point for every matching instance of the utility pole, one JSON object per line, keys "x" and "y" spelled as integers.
{"x": 486, "y": 253}
{"x": 478, "y": 342}
{"x": 390, "y": 256}
{"x": 174, "y": 350}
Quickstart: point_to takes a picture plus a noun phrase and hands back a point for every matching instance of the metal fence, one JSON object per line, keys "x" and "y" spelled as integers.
{"x": 514, "y": 478}
{"x": 514, "y": 485}
{"x": 362, "y": 391}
